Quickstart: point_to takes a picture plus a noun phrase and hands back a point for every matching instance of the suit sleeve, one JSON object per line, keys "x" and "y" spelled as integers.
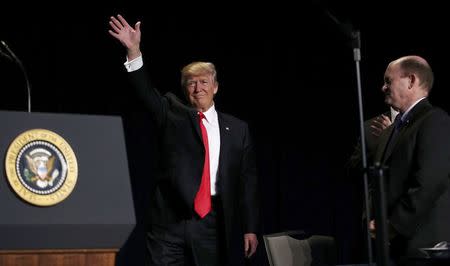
{"x": 154, "y": 102}
{"x": 428, "y": 178}
{"x": 250, "y": 195}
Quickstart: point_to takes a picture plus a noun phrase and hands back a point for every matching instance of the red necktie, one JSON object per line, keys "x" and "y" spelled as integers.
{"x": 202, "y": 202}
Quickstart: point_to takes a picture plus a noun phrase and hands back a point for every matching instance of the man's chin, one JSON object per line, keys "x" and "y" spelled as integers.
{"x": 200, "y": 106}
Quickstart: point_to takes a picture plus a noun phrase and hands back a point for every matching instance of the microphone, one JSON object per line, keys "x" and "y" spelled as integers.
{"x": 345, "y": 28}
{"x": 349, "y": 32}
{"x": 12, "y": 56}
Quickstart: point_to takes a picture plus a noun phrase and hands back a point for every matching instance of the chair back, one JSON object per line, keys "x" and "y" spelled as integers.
{"x": 286, "y": 249}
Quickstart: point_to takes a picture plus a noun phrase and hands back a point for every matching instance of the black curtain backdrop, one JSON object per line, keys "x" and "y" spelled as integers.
{"x": 287, "y": 69}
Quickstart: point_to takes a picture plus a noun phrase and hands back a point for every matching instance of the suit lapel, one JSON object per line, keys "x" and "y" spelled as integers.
{"x": 416, "y": 113}
{"x": 193, "y": 116}
{"x": 225, "y": 138}
{"x": 393, "y": 145}
{"x": 384, "y": 138}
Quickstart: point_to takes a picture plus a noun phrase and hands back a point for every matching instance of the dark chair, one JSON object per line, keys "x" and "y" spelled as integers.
{"x": 295, "y": 248}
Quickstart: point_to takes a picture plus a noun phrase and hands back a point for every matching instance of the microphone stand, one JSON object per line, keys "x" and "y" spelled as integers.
{"x": 377, "y": 170}
{"x": 356, "y": 44}
{"x": 377, "y": 174}
{"x": 12, "y": 56}
{"x": 355, "y": 37}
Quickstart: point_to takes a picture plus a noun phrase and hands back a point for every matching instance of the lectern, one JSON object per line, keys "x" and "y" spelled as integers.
{"x": 65, "y": 193}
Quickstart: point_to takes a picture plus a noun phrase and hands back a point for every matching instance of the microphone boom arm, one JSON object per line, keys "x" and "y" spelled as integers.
{"x": 12, "y": 56}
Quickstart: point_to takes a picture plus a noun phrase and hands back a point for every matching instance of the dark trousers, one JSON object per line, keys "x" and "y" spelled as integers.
{"x": 192, "y": 242}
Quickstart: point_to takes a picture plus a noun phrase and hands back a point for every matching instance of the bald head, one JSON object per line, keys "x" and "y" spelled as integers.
{"x": 416, "y": 65}
{"x": 407, "y": 80}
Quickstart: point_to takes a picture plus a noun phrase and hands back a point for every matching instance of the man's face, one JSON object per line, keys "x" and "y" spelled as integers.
{"x": 200, "y": 91}
{"x": 396, "y": 87}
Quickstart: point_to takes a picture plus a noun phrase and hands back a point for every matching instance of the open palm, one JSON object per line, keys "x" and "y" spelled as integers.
{"x": 129, "y": 37}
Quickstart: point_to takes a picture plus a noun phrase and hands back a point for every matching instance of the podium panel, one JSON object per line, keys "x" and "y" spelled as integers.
{"x": 97, "y": 214}
{"x": 85, "y": 257}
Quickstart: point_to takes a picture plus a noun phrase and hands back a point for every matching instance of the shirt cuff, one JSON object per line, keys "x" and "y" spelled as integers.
{"x": 134, "y": 64}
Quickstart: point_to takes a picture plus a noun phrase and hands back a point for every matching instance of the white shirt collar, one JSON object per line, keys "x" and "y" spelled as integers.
{"x": 211, "y": 115}
{"x": 393, "y": 114}
{"x": 411, "y": 107}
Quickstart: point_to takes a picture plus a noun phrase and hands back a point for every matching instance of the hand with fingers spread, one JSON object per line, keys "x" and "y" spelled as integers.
{"x": 129, "y": 37}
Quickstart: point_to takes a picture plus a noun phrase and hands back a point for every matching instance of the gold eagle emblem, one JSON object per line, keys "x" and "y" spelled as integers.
{"x": 42, "y": 171}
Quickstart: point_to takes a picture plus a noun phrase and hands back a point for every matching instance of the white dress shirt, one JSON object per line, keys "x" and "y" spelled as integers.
{"x": 211, "y": 124}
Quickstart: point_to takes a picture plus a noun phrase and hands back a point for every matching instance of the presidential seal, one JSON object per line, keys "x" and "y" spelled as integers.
{"x": 41, "y": 167}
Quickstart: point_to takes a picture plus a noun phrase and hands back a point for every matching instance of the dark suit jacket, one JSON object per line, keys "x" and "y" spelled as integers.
{"x": 182, "y": 155}
{"x": 417, "y": 184}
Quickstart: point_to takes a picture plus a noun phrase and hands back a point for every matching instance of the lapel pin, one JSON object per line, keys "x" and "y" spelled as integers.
{"x": 227, "y": 128}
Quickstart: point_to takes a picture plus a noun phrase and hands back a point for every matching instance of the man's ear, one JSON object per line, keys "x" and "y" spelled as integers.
{"x": 412, "y": 80}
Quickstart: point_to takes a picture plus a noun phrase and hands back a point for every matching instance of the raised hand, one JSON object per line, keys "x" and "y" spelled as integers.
{"x": 129, "y": 37}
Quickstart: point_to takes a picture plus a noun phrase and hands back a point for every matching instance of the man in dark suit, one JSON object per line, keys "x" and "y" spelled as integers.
{"x": 416, "y": 151}
{"x": 207, "y": 182}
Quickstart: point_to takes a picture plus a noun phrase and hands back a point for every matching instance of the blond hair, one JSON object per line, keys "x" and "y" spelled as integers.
{"x": 196, "y": 69}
